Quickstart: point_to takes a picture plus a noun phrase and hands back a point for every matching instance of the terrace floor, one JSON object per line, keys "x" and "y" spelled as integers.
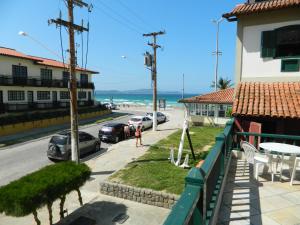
{"x": 247, "y": 201}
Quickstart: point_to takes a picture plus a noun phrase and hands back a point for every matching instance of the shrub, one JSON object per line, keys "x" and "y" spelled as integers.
{"x": 43, "y": 187}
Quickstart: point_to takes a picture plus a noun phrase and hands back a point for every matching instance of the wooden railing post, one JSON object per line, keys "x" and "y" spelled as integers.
{"x": 221, "y": 139}
{"x": 195, "y": 178}
{"x": 188, "y": 209}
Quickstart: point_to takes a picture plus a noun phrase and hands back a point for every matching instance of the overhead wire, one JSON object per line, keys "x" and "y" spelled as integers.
{"x": 136, "y": 15}
{"x": 124, "y": 18}
{"x": 119, "y": 21}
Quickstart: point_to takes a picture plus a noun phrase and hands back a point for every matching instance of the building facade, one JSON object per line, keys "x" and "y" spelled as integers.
{"x": 267, "y": 96}
{"x": 210, "y": 109}
{"x": 32, "y": 83}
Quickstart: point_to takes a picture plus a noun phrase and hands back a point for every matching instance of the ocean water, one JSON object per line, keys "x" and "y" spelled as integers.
{"x": 140, "y": 99}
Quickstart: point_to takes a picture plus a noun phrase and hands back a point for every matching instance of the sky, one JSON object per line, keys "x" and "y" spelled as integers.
{"x": 116, "y": 28}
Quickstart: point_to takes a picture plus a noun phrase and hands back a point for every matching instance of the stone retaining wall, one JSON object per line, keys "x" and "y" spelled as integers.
{"x": 146, "y": 196}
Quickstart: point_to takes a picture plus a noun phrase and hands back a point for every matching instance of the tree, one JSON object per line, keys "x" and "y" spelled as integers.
{"x": 223, "y": 83}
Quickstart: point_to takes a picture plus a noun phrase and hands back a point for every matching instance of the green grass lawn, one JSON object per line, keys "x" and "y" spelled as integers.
{"x": 153, "y": 170}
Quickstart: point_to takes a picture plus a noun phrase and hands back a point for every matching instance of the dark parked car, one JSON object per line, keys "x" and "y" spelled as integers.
{"x": 114, "y": 132}
{"x": 60, "y": 145}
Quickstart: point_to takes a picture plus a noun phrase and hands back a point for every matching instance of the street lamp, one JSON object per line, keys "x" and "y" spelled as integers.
{"x": 217, "y": 52}
{"x": 22, "y": 33}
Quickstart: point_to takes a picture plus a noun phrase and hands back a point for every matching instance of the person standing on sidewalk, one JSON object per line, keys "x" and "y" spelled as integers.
{"x": 126, "y": 131}
{"x": 138, "y": 135}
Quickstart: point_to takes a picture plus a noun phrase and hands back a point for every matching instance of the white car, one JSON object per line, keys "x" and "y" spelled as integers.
{"x": 161, "y": 118}
{"x": 143, "y": 121}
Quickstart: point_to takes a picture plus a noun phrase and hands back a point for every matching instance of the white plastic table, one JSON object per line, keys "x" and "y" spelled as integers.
{"x": 280, "y": 148}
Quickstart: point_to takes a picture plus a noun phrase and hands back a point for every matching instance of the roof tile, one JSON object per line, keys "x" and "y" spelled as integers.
{"x": 218, "y": 97}
{"x": 38, "y": 60}
{"x": 278, "y": 99}
{"x": 247, "y": 8}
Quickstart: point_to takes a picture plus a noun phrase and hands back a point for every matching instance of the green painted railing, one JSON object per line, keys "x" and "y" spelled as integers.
{"x": 197, "y": 203}
{"x": 264, "y": 137}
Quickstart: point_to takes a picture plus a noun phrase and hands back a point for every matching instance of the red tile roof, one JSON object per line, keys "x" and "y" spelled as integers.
{"x": 276, "y": 100}
{"x": 38, "y": 60}
{"x": 244, "y": 9}
{"x": 218, "y": 97}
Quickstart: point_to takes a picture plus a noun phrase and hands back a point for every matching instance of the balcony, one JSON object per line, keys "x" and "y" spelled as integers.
{"x": 223, "y": 190}
{"x": 22, "y": 107}
{"x": 34, "y": 82}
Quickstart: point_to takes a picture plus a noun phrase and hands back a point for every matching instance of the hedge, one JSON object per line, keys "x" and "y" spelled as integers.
{"x": 43, "y": 187}
{"x": 28, "y": 116}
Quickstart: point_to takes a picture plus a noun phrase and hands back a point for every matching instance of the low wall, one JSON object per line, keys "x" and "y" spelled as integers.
{"x": 207, "y": 120}
{"x": 146, "y": 196}
{"x": 25, "y": 126}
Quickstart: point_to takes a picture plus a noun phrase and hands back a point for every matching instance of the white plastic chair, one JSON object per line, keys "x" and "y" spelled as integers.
{"x": 252, "y": 156}
{"x": 296, "y": 166}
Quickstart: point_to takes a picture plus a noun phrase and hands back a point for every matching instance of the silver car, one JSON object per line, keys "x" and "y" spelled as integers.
{"x": 143, "y": 121}
{"x": 60, "y": 145}
{"x": 161, "y": 118}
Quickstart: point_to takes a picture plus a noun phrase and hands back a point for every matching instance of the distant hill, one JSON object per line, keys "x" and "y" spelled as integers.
{"x": 137, "y": 92}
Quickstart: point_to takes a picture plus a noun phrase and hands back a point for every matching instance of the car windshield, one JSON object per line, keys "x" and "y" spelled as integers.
{"x": 136, "y": 119}
{"x": 59, "y": 140}
{"x": 150, "y": 114}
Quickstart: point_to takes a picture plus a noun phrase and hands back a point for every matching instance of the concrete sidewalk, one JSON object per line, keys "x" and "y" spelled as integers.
{"x": 104, "y": 208}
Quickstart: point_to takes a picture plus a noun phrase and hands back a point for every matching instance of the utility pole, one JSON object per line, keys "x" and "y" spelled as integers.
{"x": 154, "y": 73}
{"x": 72, "y": 85}
{"x": 182, "y": 86}
{"x": 217, "y": 52}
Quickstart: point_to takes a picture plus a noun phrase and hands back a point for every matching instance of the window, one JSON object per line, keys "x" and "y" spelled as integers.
{"x": 64, "y": 95}
{"x": 82, "y": 95}
{"x": 289, "y": 65}
{"x": 16, "y": 95}
{"x": 19, "y": 71}
{"x": 46, "y": 74}
{"x": 43, "y": 95}
{"x": 281, "y": 43}
{"x": 204, "y": 110}
{"x": 66, "y": 76}
{"x": 84, "y": 78}
{"x": 221, "y": 111}
{"x": 211, "y": 111}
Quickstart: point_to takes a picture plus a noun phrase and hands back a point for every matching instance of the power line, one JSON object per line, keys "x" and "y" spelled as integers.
{"x": 135, "y": 14}
{"x": 121, "y": 16}
{"x": 119, "y": 21}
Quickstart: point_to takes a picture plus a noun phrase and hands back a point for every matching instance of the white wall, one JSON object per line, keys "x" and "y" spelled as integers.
{"x": 33, "y": 70}
{"x": 253, "y": 66}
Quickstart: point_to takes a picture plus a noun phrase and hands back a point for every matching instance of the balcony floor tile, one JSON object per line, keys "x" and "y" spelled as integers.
{"x": 247, "y": 201}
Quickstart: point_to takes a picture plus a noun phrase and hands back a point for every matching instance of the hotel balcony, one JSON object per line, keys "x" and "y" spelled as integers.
{"x": 22, "y": 107}
{"x": 34, "y": 82}
{"x": 224, "y": 189}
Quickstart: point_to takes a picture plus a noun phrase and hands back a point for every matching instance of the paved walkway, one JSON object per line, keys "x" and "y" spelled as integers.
{"x": 246, "y": 201}
{"x": 104, "y": 208}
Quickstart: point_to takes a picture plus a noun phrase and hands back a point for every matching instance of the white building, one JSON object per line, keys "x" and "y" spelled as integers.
{"x": 268, "y": 40}
{"x": 210, "y": 109}
{"x": 267, "y": 96}
{"x": 30, "y": 83}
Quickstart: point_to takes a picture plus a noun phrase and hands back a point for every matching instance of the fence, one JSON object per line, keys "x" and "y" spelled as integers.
{"x": 199, "y": 201}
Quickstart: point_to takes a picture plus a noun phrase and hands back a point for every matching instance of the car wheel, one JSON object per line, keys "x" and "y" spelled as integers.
{"x": 97, "y": 147}
{"x": 117, "y": 139}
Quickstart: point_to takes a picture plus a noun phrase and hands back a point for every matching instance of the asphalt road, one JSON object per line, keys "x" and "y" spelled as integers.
{"x": 21, "y": 159}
